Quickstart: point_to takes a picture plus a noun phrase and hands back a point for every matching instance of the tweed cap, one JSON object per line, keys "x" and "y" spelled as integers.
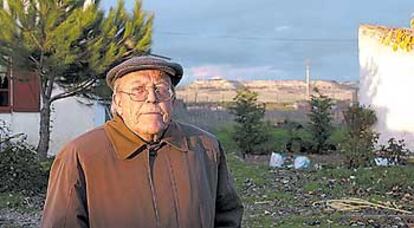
{"x": 174, "y": 70}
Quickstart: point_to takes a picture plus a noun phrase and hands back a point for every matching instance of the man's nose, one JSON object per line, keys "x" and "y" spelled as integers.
{"x": 151, "y": 98}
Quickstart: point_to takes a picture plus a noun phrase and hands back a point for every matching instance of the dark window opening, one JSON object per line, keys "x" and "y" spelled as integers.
{"x": 4, "y": 89}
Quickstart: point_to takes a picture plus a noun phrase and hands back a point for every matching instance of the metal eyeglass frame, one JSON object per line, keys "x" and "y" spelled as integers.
{"x": 133, "y": 98}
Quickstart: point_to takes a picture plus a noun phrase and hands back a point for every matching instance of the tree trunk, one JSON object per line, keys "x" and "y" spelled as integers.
{"x": 44, "y": 130}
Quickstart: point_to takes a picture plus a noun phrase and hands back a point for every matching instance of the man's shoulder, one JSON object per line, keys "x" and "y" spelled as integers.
{"x": 89, "y": 138}
{"x": 190, "y": 130}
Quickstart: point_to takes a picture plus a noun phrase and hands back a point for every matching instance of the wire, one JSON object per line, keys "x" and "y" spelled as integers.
{"x": 281, "y": 39}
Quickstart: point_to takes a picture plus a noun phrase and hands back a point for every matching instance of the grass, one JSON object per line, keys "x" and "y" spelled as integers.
{"x": 380, "y": 179}
{"x": 279, "y": 137}
{"x": 311, "y": 221}
{"x": 255, "y": 184}
{"x": 270, "y": 202}
{"x": 224, "y": 133}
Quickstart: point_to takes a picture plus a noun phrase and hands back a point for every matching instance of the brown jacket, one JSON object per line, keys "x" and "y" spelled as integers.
{"x": 109, "y": 177}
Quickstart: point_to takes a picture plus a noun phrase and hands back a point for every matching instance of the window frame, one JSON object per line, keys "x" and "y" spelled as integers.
{"x": 8, "y": 108}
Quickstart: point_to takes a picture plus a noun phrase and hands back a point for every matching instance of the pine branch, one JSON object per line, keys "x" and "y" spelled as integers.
{"x": 37, "y": 42}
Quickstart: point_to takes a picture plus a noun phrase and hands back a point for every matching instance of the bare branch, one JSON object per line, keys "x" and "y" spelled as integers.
{"x": 84, "y": 85}
{"x": 34, "y": 60}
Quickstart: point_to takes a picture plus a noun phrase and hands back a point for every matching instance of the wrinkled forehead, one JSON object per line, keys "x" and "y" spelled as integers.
{"x": 143, "y": 77}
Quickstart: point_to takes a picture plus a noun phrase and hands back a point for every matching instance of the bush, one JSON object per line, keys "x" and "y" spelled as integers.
{"x": 360, "y": 139}
{"x": 297, "y": 140}
{"x": 20, "y": 168}
{"x": 320, "y": 122}
{"x": 395, "y": 152}
{"x": 251, "y": 133}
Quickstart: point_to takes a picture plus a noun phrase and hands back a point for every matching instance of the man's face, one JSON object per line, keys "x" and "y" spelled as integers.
{"x": 145, "y": 115}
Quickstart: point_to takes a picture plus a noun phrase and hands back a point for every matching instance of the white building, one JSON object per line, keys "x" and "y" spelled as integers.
{"x": 387, "y": 84}
{"x": 20, "y": 106}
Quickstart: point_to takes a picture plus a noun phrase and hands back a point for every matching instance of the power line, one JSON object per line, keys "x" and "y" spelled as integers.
{"x": 281, "y": 39}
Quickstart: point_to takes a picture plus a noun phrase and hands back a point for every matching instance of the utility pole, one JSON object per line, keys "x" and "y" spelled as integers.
{"x": 196, "y": 93}
{"x": 308, "y": 86}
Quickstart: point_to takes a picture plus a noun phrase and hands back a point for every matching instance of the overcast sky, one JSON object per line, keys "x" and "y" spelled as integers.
{"x": 267, "y": 39}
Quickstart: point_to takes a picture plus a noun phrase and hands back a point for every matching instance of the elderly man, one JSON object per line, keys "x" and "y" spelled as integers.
{"x": 142, "y": 169}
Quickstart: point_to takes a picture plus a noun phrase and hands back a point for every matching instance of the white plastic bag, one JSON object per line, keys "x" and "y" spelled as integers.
{"x": 276, "y": 160}
{"x": 302, "y": 162}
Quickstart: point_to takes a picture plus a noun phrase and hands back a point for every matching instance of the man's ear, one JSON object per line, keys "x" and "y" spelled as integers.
{"x": 116, "y": 98}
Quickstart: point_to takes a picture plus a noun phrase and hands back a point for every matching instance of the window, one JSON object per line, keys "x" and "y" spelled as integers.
{"x": 19, "y": 91}
{"x": 4, "y": 89}
{"x": 26, "y": 92}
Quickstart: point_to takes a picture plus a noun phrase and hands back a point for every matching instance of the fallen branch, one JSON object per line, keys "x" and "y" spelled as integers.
{"x": 263, "y": 202}
{"x": 371, "y": 216}
{"x": 353, "y": 204}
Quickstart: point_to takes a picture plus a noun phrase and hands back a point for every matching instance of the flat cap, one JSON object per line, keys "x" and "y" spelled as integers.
{"x": 174, "y": 70}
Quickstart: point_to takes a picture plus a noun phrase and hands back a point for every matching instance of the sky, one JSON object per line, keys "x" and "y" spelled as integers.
{"x": 267, "y": 39}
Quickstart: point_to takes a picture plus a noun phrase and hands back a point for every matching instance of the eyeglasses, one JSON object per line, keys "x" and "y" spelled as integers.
{"x": 162, "y": 93}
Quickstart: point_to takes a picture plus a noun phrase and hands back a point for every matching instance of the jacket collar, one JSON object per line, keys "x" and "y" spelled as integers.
{"x": 126, "y": 142}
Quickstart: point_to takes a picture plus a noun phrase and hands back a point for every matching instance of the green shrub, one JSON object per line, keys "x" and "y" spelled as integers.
{"x": 320, "y": 122}
{"x": 20, "y": 168}
{"x": 251, "y": 133}
{"x": 395, "y": 152}
{"x": 360, "y": 139}
{"x": 21, "y": 171}
{"x": 298, "y": 137}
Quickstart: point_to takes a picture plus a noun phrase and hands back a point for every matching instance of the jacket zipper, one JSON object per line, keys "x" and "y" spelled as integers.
{"x": 154, "y": 200}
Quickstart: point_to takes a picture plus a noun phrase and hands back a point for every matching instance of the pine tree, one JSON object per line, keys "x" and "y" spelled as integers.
{"x": 250, "y": 133}
{"x": 70, "y": 44}
{"x": 320, "y": 121}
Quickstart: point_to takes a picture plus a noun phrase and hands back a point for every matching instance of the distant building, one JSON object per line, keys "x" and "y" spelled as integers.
{"x": 269, "y": 91}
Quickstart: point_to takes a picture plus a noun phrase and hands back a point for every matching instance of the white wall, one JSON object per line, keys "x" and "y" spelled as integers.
{"x": 387, "y": 84}
{"x": 26, "y": 122}
{"x": 70, "y": 118}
